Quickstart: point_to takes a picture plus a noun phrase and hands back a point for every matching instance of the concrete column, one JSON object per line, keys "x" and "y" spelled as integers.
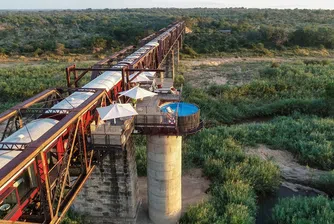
{"x": 164, "y": 178}
{"x": 110, "y": 195}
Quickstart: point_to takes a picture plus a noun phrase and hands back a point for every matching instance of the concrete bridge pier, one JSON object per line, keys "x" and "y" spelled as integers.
{"x": 164, "y": 178}
{"x": 110, "y": 195}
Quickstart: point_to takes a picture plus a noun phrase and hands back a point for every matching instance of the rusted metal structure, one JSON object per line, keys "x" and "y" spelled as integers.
{"x": 41, "y": 175}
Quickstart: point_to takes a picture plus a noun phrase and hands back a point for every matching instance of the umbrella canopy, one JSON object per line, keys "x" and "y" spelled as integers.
{"x": 139, "y": 78}
{"x": 147, "y": 74}
{"x": 116, "y": 111}
{"x": 137, "y": 93}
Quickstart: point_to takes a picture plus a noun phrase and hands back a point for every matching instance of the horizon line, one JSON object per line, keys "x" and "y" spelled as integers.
{"x": 241, "y": 7}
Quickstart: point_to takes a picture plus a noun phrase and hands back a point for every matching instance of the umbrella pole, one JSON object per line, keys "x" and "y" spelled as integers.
{"x": 114, "y": 120}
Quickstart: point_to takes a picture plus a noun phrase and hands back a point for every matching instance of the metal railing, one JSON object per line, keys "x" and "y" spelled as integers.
{"x": 163, "y": 120}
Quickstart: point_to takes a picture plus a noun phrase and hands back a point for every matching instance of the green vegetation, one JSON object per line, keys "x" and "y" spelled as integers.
{"x": 318, "y": 210}
{"x": 265, "y": 32}
{"x": 20, "y": 82}
{"x": 299, "y": 96}
{"x": 236, "y": 178}
{"x": 281, "y": 90}
{"x": 73, "y": 217}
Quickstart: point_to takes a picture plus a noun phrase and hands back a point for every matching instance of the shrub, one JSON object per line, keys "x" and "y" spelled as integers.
{"x": 141, "y": 155}
{"x": 325, "y": 183}
{"x": 317, "y": 210}
{"x": 179, "y": 81}
{"x": 189, "y": 51}
{"x": 141, "y": 160}
{"x": 330, "y": 97}
{"x": 203, "y": 213}
{"x": 238, "y": 214}
{"x": 234, "y": 192}
{"x": 275, "y": 65}
{"x": 73, "y": 217}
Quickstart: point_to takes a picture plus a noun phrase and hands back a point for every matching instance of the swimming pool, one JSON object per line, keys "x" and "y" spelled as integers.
{"x": 184, "y": 109}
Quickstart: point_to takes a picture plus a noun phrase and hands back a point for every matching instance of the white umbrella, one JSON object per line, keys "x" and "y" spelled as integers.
{"x": 147, "y": 74}
{"x": 139, "y": 78}
{"x": 116, "y": 111}
{"x": 137, "y": 93}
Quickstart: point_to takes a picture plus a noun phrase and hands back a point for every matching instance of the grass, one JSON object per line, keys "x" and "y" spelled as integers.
{"x": 309, "y": 138}
{"x": 275, "y": 91}
{"x": 20, "y": 82}
{"x": 236, "y": 178}
{"x": 299, "y": 97}
{"x": 297, "y": 210}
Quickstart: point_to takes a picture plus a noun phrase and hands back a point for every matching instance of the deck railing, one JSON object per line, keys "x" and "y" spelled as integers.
{"x": 162, "y": 120}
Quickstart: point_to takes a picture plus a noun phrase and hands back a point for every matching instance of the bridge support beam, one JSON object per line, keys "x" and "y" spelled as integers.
{"x": 164, "y": 178}
{"x": 177, "y": 56}
{"x": 169, "y": 64}
{"x": 110, "y": 195}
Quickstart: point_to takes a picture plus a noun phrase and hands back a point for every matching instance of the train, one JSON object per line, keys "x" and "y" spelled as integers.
{"x": 18, "y": 196}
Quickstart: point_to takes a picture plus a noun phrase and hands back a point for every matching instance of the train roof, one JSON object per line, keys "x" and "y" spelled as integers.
{"x": 30, "y": 132}
{"x": 106, "y": 80}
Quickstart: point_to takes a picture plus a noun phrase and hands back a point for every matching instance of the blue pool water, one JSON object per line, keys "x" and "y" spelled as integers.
{"x": 185, "y": 109}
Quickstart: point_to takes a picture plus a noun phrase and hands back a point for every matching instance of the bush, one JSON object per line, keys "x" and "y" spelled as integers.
{"x": 234, "y": 192}
{"x": 317, "y": 62}
{"x": 179, "y": 81}
{"x": 203, "y": 213}
{"x": 141, "y": 160}
{"x": 238, "y": 214}
{"x": 189, "y": 51}
{"x": 141, "y": 155}
{"x": 330, "y": 97}
{"x": 325, "y": 183}
{"x": 73, "y": 217}
{"x": 312, "y": 210}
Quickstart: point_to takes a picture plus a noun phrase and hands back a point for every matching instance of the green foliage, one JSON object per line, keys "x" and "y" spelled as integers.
{"x": 189, "y": 51}
{"x": 79, "y": 31}
{"x": 203, "y": 213}
{"x": 141, "y": 155}
{"x": 111, "y": 29}
{"x": 234, "y": 192}
{"x": 317, "y": 62}
{"x": 236, "y": 178}
{"x": 141, "y": 160}
{"x": 17, "y": 83}
{"x": 330, "y": 91}
{"x": 281, "y": 90}
{"x": 179, "y": 81}
{"x": 310, "y": 138}
{"x": 325, "y": 183}
{"x": 312, "y": 210}
{"x": 330, "y": 97}
{"x": 73, "y": 217}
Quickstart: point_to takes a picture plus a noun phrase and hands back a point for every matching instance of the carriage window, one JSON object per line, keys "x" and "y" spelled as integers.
{"x": 7, "y": 204}
{"x": 26, "y": 182}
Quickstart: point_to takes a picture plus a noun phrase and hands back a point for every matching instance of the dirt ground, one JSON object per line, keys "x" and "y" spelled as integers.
{"x": 194, "y": 187}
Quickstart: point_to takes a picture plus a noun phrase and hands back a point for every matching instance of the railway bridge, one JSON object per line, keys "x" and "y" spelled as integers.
{"x": 55, "y": 153}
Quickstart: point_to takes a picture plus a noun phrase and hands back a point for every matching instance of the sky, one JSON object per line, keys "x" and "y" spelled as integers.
{"x": 101, "y": 4}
